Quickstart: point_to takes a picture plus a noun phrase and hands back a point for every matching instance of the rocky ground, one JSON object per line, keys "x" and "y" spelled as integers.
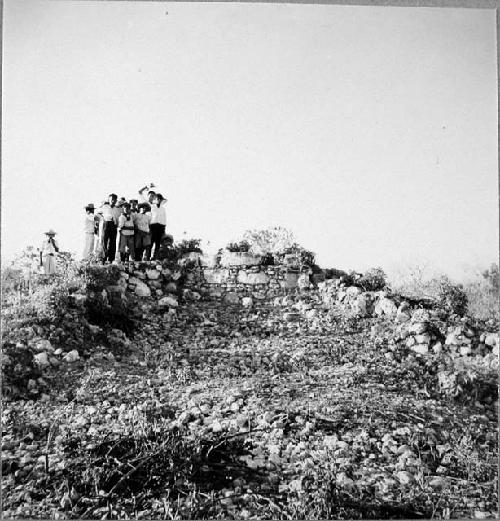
{"x": 273, "y": 410}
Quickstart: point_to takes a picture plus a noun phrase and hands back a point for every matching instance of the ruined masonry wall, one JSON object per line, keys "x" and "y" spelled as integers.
{"x": 235, "y": 282}
{"x": 230, "y": 283}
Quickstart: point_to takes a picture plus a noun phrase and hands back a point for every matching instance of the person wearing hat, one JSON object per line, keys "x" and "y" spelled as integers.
{"x": 91, "y": 227}
{"x": 48, "y": 253}
{"x": 126, "y": 245}
{"x": 142, "y": 232}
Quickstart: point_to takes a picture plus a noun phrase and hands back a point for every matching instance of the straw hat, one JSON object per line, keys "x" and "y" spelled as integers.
{"x": 50, "y": 232}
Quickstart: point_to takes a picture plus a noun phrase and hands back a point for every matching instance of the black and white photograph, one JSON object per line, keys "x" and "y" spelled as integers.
{"x": 249, "y": 260}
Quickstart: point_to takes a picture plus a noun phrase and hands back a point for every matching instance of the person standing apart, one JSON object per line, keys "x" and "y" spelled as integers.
{"x": 126, "y": 229}
{"x": 110, "y": 213}
{"x": 91, "y": 221}
{"x": 158, "y": 223}
{"x": 48, "y": 253}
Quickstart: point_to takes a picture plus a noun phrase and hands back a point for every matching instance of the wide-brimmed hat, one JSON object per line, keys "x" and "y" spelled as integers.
{"x": 90, "y": 206}
{"x": 50, "y": 232}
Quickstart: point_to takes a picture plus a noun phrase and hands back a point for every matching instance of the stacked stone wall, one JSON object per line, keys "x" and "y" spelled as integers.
{"x": 192, "y": 281}
{"x": 233, "y": 283}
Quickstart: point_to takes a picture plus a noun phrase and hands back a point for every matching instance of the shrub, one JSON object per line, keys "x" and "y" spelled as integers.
{"x": 236, "y": 247}
{"x": 97, "y": 277}
{"x": 451, "y": 297}
{"x": 492, "y": 277}
{"x": 333, "y": 273}
{"x": 483, "y": 300}
{"x": 374, "y": 279}
{"x": 18, "y": 367}
{"x": 267, "y": 260}
{"x": 188, "y": 246}
{"x": 306, "y": 257}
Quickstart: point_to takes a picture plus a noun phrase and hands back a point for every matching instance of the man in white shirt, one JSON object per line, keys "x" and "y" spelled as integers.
{"x": 110, "y": 214}
{"x": 48, "y": 253}
{"x": 148, "y": 194}
{"x": 158, "y": 223}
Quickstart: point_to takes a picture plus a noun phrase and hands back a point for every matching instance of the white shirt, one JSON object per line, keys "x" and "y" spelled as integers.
{"x": 158, "y": 215}
{"x": 47, "y": 247}
{"x": 110, "y": 214}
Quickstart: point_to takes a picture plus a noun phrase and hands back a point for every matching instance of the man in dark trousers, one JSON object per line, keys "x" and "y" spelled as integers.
{"x": 110, "y": 214}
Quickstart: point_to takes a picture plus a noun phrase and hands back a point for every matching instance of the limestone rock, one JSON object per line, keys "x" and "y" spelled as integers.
{"x": 247, "y": 302}
{"x": 252, "y": 278}
{"x": 171, "y": 287}
{"x": 491, "y": 339}
{"x": 132, "y": 281}
{"x": 44, "y": 345}
{"x": 142, "y": 290}
{"x": 451, "y": 339}
{"x": 153, "y": 274}
{"x": 72, "y": 356}
{"x": 216, "y": 275}
{"x": 420, "y": 315}
{"x": 231, "y": 298}
{"x": 418, "y": 328}
{"x": 465, "y": 350}
{"x": 353, "y": 291}
{"x": 423, "y": 339}
{"x": 209, "y": 261}
{"x": 94, "y": 329}
{"x": 385, "y": 306}
{"x": 42, "y": 359}
{"x": 229, "y": 258}
{"x": 410, "y": 341}
{"x": 437, "y": 348}
{"x": 421, "y": 349}
{"x": 168, "y": 301}
{"x": 290, "y": 281}
{"x": 402, "y": 316}
{"x": 311, "y": 313}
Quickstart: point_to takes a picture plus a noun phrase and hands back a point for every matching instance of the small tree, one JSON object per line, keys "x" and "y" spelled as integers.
{"x": 374, "y": 279}
{"x": 269, "y": 240}
{"x": 451, "y": 297}
{"x": 492, "y": 276}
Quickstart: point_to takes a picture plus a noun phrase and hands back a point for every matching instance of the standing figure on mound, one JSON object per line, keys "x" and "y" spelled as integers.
{"x": 48, "y": 253}
{"x": 142, "y": 232}
{"x": 110, "y": 214}
{"x": 158, "y": 223}
{"x": 90, "y": 226}
{"x": 126, "y": 229}
{"x": 156, "y": 203}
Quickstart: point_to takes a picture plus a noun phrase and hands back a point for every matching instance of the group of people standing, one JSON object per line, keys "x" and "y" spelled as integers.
{"x": 132, "y": 229}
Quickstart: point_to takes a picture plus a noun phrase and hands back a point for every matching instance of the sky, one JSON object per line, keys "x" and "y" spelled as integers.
{"x": 370, "y": 132}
